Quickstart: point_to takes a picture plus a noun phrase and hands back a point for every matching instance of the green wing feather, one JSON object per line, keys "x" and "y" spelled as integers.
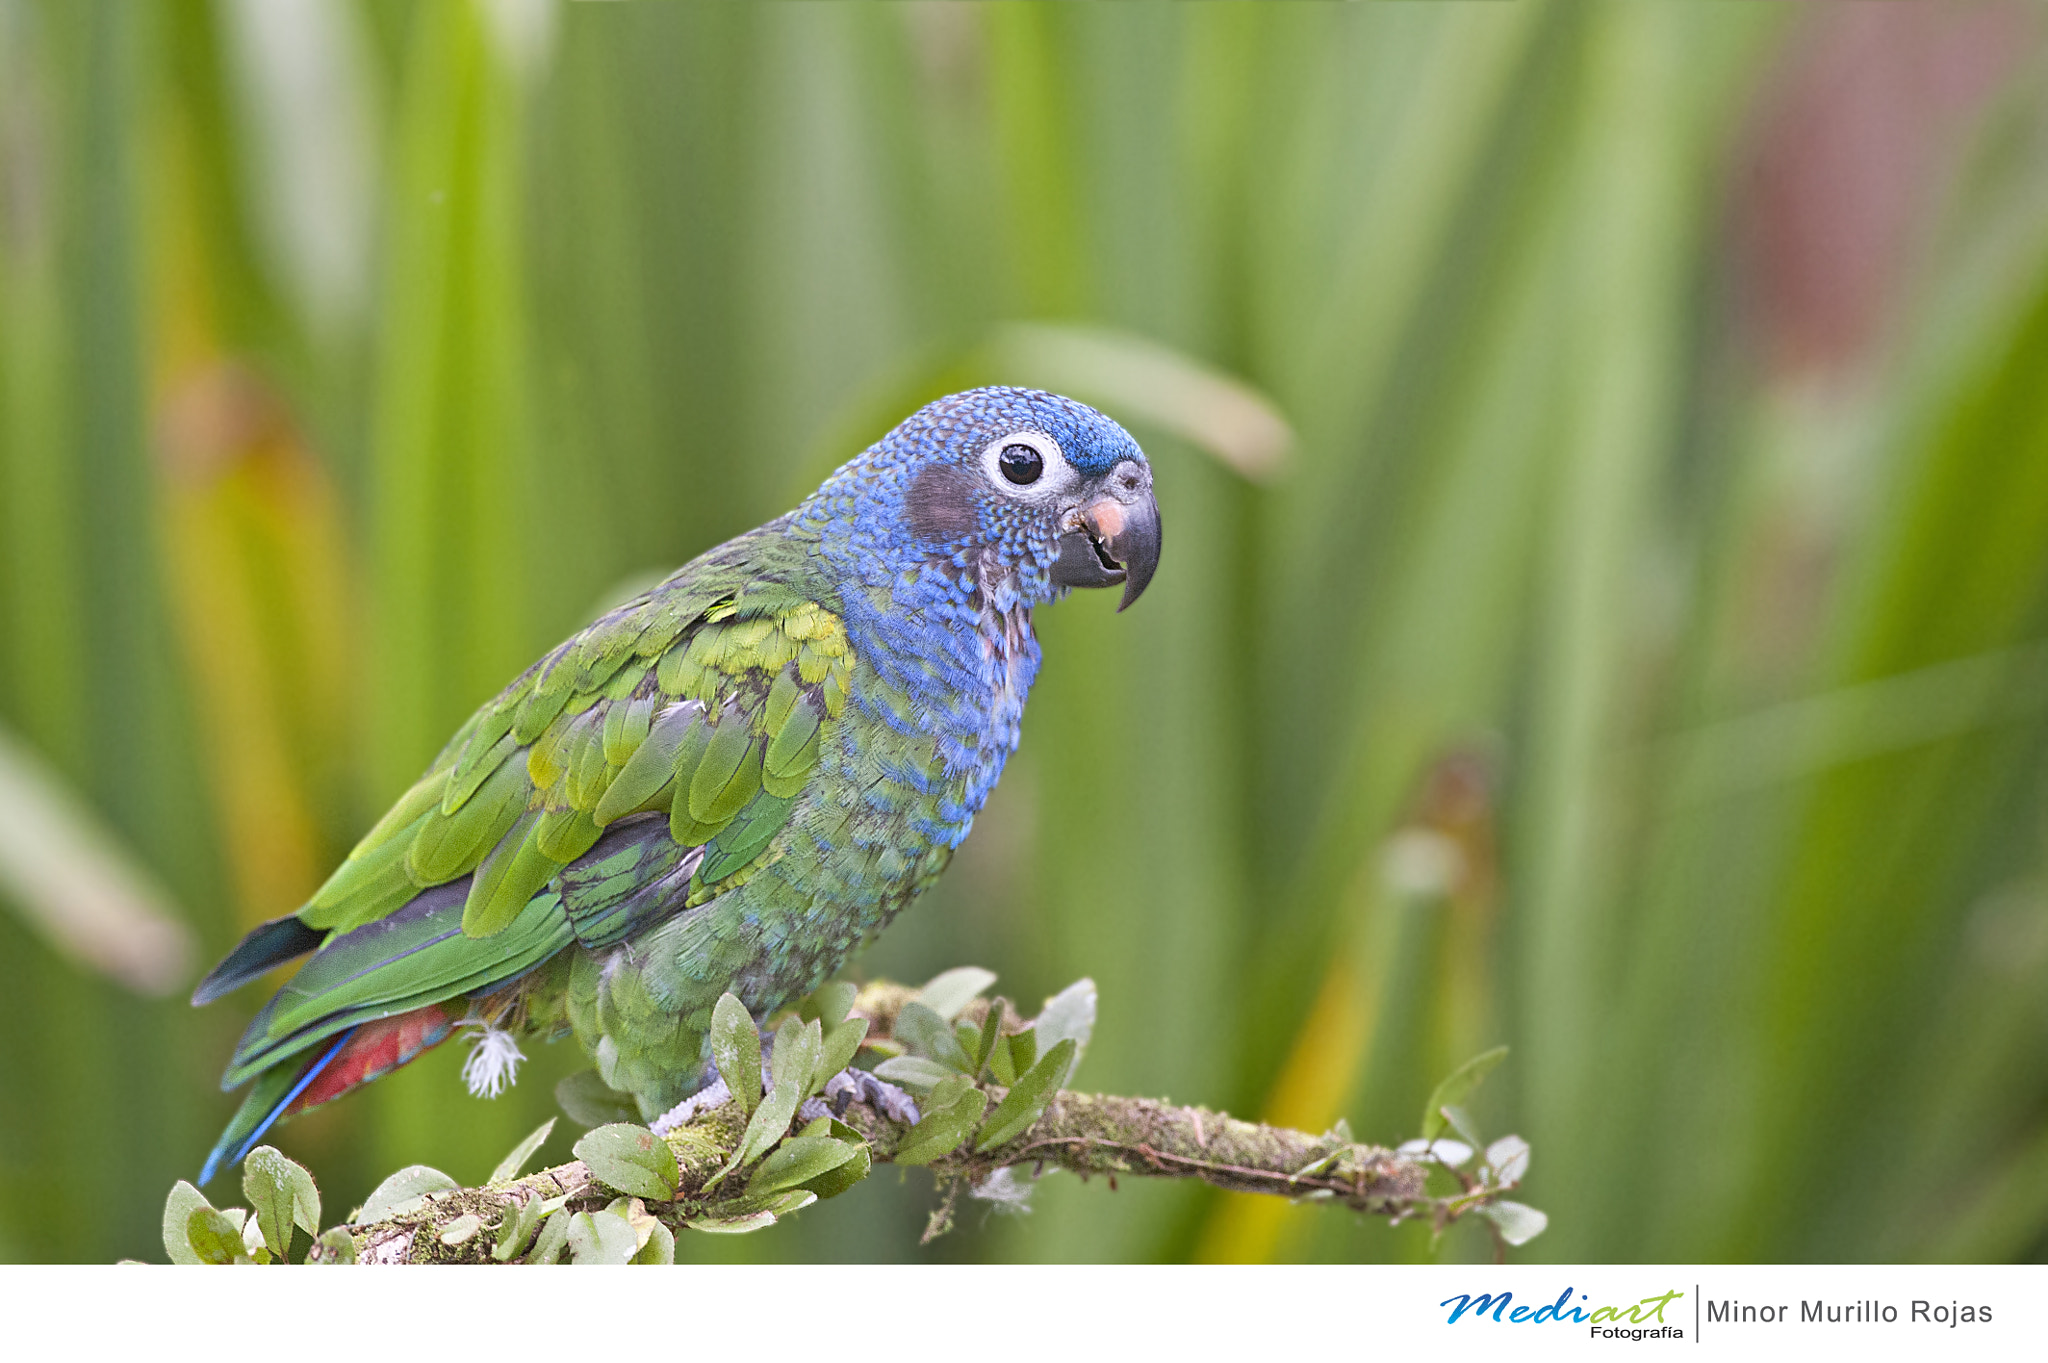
{"x": 405, "y": 961}
{"x": 703, "y": 700}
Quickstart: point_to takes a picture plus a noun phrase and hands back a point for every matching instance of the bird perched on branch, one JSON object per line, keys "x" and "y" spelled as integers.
{"x": 731, "y": 782}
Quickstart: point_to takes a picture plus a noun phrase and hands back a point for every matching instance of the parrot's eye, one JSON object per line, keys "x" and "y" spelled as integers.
{"x": 1027, "y": 466}
{"x": 1021, "y": 464}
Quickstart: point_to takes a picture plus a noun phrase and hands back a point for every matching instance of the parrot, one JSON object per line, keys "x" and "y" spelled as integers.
{"x": 730, "y": 783}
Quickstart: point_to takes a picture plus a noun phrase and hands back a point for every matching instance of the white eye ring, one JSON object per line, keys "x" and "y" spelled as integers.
{"x": 1056, "y": 476}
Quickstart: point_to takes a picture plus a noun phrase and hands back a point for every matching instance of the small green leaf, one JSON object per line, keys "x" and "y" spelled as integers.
{"x": 215, "y": 1237}
{"x": 1461, "y": 1122}
{"x": 1457, "y": 1087}
{"x": 798, "y": 1045}
{"x": 781, "y": 1204}
{"x": 660, "y": 1247}
{"x": 462, "y": 1230}
{"x": 950, "y": 1093}
{"x": 1027, "y": 1099}
{"x": 632, "y": 1159}
{"x": 600, "y": 1238}
{"x": 405, "y": 1191}
{"x": 929, "y": 1035}
{"x": 178, "y": 1208}
{"x": 637, "y": 1216}
{"x": 516, "y": 1230}
{"x": 914, "y": 1072}
{"x": 1024, "y": 1049}
{"x": 796, "y": 1162}
{"x": 830, "y": 1003}
{"x": 833, "y": 1182}
{"x": 945, "y": 1094}
{"x": 335, "y": 1246}
{"x": 1518, "y": 1225}
{"x": 842, "y": 1043}
{"x": 589, "y": 1101}
{"x": 734, "y": 1225}
{"x": 1445, "y": 1151}
{"x": 952, "y": 1109}
{"x": 1069, "y": 1013}
{"x": 252, "y": 1240}
{"x": 947, "y": 994}
{"x": 282, "y": 1195}
{"x": 264, "y": 1186}
{"x": 1508, "y": 1157}
{"x": 553, "y": 1239}
{"x": 990, "y": 1035}
{"x": 736, "y": 1050}
{"x": 1002, "y": 1065}
{"x": 514, "y": 1164}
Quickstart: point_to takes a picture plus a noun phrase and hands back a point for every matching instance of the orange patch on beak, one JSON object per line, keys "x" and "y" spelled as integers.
{"x": 1106, "y": 518}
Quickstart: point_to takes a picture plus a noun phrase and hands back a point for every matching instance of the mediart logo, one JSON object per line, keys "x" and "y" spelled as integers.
{"x": 1640, "y": 1320}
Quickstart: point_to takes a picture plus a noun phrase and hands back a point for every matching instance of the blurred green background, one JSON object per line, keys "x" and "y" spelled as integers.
{"x": 1637, "y": 655}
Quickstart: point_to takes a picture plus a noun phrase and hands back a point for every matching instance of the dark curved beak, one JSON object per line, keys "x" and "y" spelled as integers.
{"x": 1117, "y": 539}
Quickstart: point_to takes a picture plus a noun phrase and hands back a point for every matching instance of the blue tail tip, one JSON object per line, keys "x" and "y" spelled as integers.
{"x": 213, "y": 1163}
{"x": 221, "y": 1154}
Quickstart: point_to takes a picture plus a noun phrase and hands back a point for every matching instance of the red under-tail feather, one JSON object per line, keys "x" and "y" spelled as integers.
{"x": 377, "y": 1048}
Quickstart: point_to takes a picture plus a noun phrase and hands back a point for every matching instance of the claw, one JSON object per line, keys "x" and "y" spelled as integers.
{"x": 859, "y": 1086}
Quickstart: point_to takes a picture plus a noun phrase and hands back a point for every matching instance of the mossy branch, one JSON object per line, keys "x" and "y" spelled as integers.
{"x": 772, "y": 1145}
{"x": 1086, "y": 1133}
{"x": 1080, "y": 1132}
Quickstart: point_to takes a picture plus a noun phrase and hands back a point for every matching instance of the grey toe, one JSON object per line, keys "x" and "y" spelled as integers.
{"x": 713, "y": 1095}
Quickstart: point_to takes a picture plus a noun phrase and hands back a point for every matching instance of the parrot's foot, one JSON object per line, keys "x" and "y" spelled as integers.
{"x": 713, "y": 1095}
{"x": 846, "y": 1087}
{"x": 851, "y": 1085}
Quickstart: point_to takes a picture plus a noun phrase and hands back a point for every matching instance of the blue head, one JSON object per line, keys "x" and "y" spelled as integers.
{"x": 1023, "y": 492}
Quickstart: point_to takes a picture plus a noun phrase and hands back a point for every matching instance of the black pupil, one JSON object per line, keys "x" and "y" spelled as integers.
{"x": 1021, "y": 464}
